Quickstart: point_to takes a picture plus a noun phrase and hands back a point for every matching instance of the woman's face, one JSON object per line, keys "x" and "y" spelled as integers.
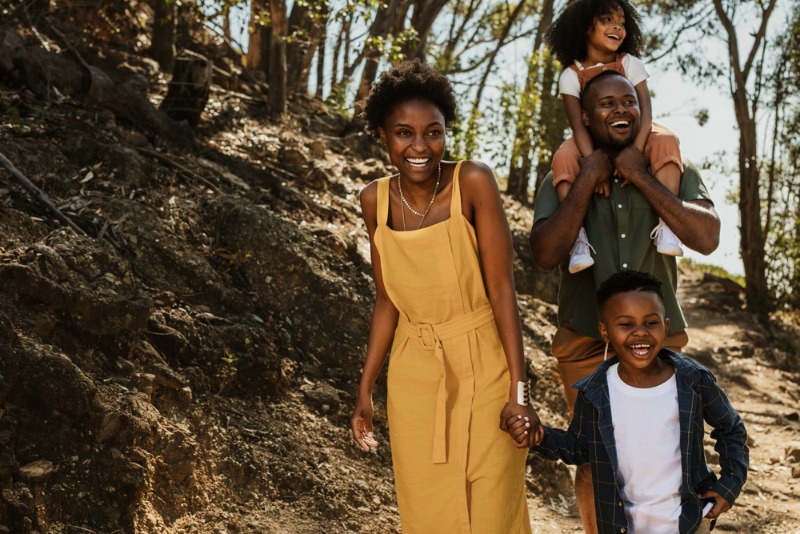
{"x": 414, "y": 134}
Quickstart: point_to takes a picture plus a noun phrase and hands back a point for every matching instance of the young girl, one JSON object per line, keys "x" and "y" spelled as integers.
{"x": 592, "y": 36}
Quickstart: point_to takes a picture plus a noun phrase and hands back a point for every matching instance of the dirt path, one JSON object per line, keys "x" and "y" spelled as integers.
{"x": 730, "y": 344}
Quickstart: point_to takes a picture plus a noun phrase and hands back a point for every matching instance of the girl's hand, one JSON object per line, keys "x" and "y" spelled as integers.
{"x": 522, "y": 423}
{"x": 361, "y": 424}
{"x": 720, "y": 506}
{"x": 603, "y": 188}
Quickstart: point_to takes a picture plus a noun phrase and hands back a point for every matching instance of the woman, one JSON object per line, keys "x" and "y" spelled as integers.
{"x": 445, "y": 302}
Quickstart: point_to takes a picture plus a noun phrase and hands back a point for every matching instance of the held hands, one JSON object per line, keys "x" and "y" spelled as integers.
{"x": 361, "y": 424}
{"x": 720, "y": 506}
{"x": 522, "y": 423}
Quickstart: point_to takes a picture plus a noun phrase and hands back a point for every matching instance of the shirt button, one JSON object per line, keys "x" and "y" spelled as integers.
{"x": 622, "y": 236}
{"x": 624, "y": 266}
{"x": 622, "y": 530}
{"x": 620, "y": 504}
{"x": 619, "y": 206}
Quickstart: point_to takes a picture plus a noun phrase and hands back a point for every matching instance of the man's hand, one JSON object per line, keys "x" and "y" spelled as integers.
{"x": 630, "y": 164}
{"x": 596, "y": 167}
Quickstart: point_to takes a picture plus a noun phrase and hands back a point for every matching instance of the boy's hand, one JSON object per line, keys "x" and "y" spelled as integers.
{"x": 524, "y": 431}
{"x": 720, "y": 506}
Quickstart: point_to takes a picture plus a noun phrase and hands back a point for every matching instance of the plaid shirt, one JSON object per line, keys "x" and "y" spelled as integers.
{"x": 590, "y": 438}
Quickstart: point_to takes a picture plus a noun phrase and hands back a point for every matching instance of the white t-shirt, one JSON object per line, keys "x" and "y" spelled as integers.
{"x": 568, "y": 83}
{"x": 647, "y": 435}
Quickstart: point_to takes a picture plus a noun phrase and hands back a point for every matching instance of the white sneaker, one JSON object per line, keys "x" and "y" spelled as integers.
{"x": 580, "y": 257}
{"x": 666, "y": 241}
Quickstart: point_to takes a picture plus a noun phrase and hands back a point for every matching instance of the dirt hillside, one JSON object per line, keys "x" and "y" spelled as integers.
{"x": 189, "y": 365}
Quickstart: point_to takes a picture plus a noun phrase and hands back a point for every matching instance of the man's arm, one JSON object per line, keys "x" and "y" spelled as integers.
{"x": 695, "y": 222}
{"x": 552, "y": 238}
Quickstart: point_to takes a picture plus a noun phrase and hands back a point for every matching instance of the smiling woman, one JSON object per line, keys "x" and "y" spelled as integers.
{"x": 445, "y": 306}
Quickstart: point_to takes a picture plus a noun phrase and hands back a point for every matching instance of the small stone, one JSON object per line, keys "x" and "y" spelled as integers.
{"x": 36, "y": 471}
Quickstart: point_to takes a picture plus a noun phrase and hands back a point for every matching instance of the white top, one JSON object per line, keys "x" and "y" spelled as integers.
{"x": 647, "y": 435}
{"x": 568, "y": 83}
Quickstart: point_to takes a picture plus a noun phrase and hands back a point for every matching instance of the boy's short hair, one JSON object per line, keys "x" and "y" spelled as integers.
{"x": 625, "y": 281}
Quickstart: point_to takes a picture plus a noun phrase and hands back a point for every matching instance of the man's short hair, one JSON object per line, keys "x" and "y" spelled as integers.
{"x": 590, "y": 84}
{"x": 627, "y": 281}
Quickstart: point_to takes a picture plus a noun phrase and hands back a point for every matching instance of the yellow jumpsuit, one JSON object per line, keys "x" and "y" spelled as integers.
{"x": 455, "y": 470}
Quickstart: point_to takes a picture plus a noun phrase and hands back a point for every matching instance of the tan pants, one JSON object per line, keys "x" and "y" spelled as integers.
{"x": 579, "y": 355}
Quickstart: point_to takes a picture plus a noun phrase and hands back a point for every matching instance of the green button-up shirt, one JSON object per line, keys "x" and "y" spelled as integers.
{"x": 618, "y": 227}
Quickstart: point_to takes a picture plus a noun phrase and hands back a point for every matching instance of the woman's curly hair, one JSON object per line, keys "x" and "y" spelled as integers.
{"x": 406, "y": 81}
{"x": 566, "y": 37}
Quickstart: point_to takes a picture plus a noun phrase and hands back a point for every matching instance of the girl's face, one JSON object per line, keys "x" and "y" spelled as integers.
{"x": 607, "y": 32}
{"x": 414, "y": 135}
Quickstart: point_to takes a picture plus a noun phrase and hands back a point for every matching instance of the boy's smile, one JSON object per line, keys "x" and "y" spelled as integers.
{"x": 633, "y": 323}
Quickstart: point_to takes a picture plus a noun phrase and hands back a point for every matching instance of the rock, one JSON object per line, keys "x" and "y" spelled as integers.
{"x": 37, "y": 471}
{"x": 320, "y": 395}
{"x": 369, "y": 169}
{"x": 793, "y": 452}
{"x": 796, "y": 471}
{"x": 712, "y": 457}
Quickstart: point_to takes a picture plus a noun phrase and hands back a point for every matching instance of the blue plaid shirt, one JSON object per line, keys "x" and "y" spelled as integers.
{"x": 590, "y": 438}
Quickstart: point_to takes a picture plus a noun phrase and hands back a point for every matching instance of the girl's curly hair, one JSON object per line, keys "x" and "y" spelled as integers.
{"x": 406, "y": 81}
{"x": 566, "y": 37}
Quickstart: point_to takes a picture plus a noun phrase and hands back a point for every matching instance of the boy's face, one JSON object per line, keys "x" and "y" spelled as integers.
{"x": 633, "y": 324}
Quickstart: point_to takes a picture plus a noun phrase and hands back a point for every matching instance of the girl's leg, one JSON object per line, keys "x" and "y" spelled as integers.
{"x": 663, "y": 152}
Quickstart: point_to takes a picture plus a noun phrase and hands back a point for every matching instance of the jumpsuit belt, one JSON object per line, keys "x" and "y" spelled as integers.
{"x": 431, "y": 337}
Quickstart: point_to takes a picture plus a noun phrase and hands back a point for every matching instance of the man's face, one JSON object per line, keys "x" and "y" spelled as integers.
{"x": 611, "y": 112}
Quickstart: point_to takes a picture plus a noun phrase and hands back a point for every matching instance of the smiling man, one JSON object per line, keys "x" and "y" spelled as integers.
{"x": 618, "y": 225}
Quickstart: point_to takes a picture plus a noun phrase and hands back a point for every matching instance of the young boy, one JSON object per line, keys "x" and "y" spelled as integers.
{"x": 639, "y": 423}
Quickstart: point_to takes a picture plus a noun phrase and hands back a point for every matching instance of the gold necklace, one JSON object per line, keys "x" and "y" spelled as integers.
{"x": 412, "y": 210}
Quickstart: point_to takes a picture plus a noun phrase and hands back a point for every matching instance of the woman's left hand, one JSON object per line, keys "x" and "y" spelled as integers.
{"x": 530, "y": 432}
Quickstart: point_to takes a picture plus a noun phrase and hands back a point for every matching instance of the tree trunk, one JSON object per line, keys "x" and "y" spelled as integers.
{"x": 475, "y": 115}
{"x": 321, "y": 62}
{"x": 187, "y": 94}
{"x": 389, "y": 16}
{"x": 422, "y": 19}
{"x": 260, "y": 38}
{"x": 162, "y": 47}
{"x": 277, "y": 58}
{"x": 752, "y": 235}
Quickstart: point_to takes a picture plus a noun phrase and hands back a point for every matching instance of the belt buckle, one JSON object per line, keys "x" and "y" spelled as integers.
{"x": 426, "y": 335}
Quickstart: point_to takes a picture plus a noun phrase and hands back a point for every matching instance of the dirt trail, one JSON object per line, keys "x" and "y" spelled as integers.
{"x": 731, "y": 344}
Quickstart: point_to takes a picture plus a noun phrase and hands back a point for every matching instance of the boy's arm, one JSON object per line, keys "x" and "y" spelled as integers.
{"x": 571, "y": 445}
{"x": 730, "y": 437}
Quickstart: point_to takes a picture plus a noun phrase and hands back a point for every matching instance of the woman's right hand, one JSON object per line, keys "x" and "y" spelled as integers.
{"x": 361, "y": 424}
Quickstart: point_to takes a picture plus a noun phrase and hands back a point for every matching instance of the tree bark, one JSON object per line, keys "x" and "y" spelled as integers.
{"x": 260, "y": 38}
{"x": 188, "y": 91}
{"x": 162, "y": 47}
{"x": 277, "y": 58}
{"x": 422, "y": 19}
{"x": 389, "y": 16}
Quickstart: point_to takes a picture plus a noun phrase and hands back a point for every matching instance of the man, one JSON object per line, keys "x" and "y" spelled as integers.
{"x": 618, "y": 226}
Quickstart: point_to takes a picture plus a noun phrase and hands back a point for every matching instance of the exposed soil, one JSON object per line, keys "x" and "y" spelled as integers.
{"x": 190, "y": 365}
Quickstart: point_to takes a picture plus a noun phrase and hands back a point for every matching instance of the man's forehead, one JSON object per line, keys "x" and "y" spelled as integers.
{"x": 611, "y": 86}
